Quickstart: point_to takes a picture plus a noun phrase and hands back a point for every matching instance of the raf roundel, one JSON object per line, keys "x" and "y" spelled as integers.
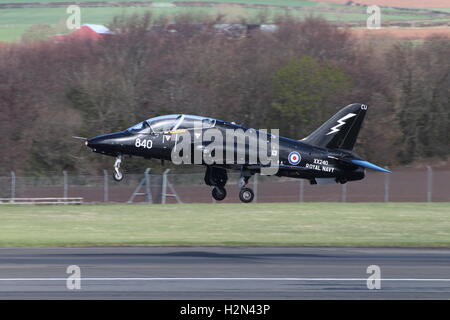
{"x": 294, "y": 158}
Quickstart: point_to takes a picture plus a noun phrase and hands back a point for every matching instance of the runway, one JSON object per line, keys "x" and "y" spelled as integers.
{"x": 223, "y": 273}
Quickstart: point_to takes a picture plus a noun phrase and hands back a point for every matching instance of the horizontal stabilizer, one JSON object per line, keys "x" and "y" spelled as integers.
{"x": 368, "y": 165}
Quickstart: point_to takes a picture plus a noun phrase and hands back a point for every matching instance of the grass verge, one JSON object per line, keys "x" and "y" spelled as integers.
{"x": 269, "y": 224}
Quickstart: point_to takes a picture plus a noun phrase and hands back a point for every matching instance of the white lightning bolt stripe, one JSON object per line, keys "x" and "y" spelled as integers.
{"x": 341, "y": 122}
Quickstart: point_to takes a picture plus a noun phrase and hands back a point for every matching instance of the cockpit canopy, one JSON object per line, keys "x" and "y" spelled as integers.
{"x": 171, "y": 122}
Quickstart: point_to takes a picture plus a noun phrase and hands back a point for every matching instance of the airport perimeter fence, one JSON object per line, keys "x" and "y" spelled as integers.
{"x": 402, "y": 185}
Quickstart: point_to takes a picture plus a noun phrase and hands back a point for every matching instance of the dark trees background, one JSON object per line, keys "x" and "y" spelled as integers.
{"x": 292, "y": 79}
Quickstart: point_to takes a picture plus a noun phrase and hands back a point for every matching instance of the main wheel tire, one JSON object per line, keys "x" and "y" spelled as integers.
{"x": 246, "y": 195}
{"x": 118, "y": 175}
{"x": 219, "y": 193}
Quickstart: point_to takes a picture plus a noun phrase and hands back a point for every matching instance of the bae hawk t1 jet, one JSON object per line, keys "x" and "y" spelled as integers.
{"x": 324, "y": 156}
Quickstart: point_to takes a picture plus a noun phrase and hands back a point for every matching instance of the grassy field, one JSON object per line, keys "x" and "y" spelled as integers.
{"x": 266, "y": 2}
{"x": 280, "y": 224}
{"x": 14, "y": 21}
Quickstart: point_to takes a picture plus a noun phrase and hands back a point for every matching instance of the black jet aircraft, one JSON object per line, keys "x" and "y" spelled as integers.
{"x": 322, "y": 157}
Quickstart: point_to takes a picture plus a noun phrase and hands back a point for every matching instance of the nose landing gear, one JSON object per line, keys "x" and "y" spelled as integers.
{"x": 117, "y": 174}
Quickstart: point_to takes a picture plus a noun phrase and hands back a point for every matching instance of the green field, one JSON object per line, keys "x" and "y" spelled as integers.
{"x": 278, "y": 224}
{"x": 15, "y": 21}
{"x": 266, "y": 2}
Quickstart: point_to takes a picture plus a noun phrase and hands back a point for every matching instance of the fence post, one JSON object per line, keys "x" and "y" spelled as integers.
{"x": 147, "y": 186}
{"x": 164, "y": 187}
{"x": 13, "y": 186}
{"x": 255, "y": 187}
{"x": 105, "y": 186}
{"x": 344, "y": 193}
{"x": 429, "y": 184}
{"x": 165, "y": 184}
{"x": 65, "y": 184}
{"x": 387, "y": 181}
{"x": 144, "y": 181}
{"x": 302, "y": 190}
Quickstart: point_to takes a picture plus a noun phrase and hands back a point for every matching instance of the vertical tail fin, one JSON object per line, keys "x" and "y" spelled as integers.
{"x": 341, "y": 130}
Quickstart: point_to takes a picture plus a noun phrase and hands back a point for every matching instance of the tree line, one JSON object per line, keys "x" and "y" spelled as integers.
{"x": 293, "y": 79}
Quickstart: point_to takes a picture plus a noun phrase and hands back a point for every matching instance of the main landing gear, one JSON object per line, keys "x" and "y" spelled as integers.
{"x": 117, "y": 174}
{"x": 246, "y": 195}
{"x": 217, "y": 178}
{"x": 219, "y": 193}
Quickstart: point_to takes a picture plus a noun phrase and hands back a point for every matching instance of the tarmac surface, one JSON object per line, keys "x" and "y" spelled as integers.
{"x": 224, "y": 273}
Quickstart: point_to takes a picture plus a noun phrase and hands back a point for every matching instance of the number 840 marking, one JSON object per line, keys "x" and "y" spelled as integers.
{"x": 144, "y": 143}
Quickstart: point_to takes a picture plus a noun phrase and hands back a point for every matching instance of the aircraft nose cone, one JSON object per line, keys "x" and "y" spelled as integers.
{"x": 94, "y": 142}
{"x": 110, "y": 144}
{"x": 91, "y": 143}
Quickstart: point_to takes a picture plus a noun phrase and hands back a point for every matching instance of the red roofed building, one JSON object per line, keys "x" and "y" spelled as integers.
{"x": 85, "y": 32}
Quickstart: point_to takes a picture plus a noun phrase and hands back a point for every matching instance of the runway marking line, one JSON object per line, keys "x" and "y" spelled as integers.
{"x": 226, "y": 279}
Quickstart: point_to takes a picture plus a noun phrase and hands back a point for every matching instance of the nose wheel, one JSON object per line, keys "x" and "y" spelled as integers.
{"x": 117, "y": 174}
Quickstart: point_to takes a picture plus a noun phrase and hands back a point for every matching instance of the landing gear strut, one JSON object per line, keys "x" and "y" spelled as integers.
{"x": 117, "y": 174}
